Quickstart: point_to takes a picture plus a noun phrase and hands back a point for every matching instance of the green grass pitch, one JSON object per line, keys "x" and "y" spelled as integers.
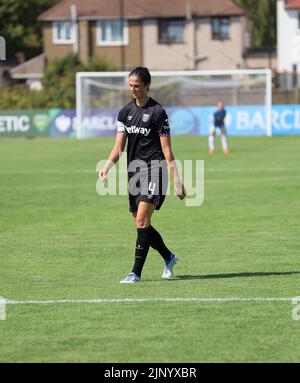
{"x": 60, "y": 240}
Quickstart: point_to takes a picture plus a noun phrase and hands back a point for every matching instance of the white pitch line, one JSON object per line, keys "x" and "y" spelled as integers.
{"x": 91, "y": 171}
{"x": 250, "y": 170}
{"x": 138, "y": 300}
{"x": 38, "y": 172}
{"x": 259, "y": 179}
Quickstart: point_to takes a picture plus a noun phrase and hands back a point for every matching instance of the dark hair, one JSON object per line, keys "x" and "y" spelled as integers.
{"x": 143, "y": 73}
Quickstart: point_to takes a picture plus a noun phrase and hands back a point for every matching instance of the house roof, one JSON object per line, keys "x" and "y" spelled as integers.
{"x": 93, "y": 9}
{"x": 32, "y": 68}
{"x": 292, "y": 4}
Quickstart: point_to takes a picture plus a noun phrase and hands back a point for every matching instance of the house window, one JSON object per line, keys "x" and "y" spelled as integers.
{"x": 112, "y": 32}
{"x": 170, "y": 31}
{"x": 220, "y": 28}
{"x": 63, "y": 32}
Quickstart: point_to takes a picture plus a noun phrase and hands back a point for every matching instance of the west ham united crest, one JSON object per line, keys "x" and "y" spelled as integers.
{"x": 145, "y": 117}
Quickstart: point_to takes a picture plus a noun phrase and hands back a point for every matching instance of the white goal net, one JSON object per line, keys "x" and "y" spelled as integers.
{"x": 189, "y": 97}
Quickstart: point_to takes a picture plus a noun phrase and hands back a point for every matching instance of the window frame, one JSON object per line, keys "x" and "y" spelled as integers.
{"x": 165, "y": 22}
{"x": 220, "y": 20}
{"x": 56, "y": 39}
{"x": 101, "y": 42}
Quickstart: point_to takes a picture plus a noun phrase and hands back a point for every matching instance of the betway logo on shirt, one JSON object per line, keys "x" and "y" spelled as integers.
{"x": 137, "y": 129}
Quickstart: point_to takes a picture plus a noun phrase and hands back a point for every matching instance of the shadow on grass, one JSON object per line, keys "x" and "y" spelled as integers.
{"x": 235, "y": 275}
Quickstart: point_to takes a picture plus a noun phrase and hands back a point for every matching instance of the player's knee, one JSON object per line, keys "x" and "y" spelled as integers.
{"x": 141, "y": 221}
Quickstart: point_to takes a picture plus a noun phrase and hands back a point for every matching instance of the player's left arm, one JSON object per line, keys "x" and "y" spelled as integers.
{"x": 165, "y": 141}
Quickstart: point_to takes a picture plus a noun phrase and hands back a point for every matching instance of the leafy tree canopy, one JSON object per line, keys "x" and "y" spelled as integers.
{"x": 58, "y": 82}
{"x": 19, "y": 25}
{"x": 263, "y": 14}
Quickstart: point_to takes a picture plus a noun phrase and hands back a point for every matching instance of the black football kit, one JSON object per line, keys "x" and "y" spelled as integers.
{"x": 146, "y": 164}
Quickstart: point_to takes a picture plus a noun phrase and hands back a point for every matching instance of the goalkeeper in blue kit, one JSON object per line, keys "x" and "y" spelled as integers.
{"x": 218, "y": 123}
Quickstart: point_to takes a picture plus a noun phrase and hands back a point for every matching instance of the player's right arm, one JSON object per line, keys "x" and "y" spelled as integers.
{"x": 119, "y": 145}
{"x": 115, "y": 154}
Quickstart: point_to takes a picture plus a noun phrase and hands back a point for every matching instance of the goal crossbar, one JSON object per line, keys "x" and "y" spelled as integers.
{"x": 174, "y": 77}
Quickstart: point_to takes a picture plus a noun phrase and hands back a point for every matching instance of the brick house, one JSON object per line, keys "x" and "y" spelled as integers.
{"x": 162, "y": 35}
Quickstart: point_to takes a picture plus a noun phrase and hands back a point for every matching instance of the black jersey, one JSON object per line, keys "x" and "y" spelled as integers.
{"x": 144, "y": 126}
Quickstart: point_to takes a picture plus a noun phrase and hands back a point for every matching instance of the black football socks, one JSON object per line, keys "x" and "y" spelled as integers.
{"x": 143, "y": 242}
{"x": 158, "y": 244}
{"x": 147, "y": 237}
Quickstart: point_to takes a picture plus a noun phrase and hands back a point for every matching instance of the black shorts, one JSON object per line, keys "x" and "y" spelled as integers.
{"x": 147, "y": 185}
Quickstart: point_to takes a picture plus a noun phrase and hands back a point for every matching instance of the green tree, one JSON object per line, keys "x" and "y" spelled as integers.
{"x": 60, "y": 75}
{"x": 58, "y": 82}
{"x": 19, "y": 25}
{"x": 263, "y": 15}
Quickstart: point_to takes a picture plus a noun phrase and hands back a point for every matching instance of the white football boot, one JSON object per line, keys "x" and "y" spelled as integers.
{"x": 131, "y": 278}
{"x": 168, "y": 269}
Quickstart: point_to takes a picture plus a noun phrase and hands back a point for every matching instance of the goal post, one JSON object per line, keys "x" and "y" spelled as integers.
{"x": 188, "y": 96}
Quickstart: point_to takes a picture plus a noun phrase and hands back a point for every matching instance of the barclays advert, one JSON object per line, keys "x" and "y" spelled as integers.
{"x": 240, "y": 121}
